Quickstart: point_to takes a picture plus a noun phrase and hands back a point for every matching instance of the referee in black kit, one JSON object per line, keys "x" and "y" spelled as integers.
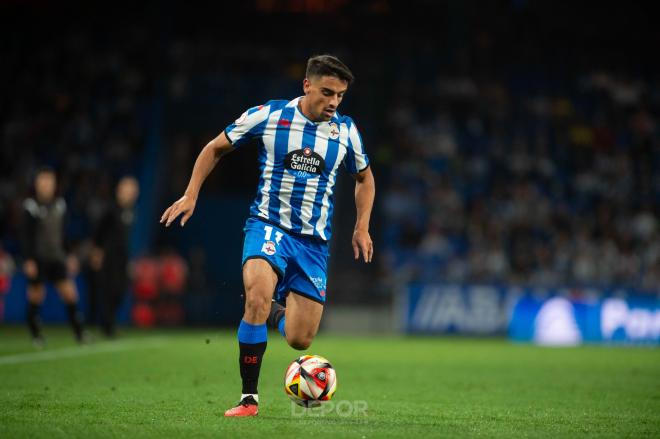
{"x": 109, "y": 258}
{"x": 42, "y": 244}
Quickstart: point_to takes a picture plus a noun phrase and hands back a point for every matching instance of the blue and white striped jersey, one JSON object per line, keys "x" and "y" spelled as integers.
{"x": 298, "y": 161}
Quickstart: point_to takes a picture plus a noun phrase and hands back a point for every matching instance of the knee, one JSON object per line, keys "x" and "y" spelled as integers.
{"x": 300, "y": 342}
{"x": 257, "y": 306}
{"x": 36, "y": 294}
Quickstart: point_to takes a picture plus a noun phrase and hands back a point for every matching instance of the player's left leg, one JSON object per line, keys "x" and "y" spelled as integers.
{"x": 304, "y": 287}
{"x": 111, "y": 294}
{"x": 69, "y": 295}
{"x": 301, "y": 320}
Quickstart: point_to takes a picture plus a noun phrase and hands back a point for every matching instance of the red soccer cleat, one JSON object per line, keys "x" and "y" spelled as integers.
{"x": 247, "y": 407}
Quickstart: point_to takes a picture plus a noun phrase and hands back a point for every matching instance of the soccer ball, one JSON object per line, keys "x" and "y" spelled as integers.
{"x": 310, "y": 380}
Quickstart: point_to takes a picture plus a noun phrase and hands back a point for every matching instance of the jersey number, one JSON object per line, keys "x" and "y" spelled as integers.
{"x": 269, "y": 233}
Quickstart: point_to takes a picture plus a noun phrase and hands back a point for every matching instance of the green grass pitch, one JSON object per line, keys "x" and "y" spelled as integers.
{"x": 178, "y": 384}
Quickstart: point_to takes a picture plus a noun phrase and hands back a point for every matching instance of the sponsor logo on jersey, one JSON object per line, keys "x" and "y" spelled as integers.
{"x": 304, "y": 163}
{"x": 284, "y": 123}
{"x": 318, "y": 282}
{"x": 269, "y": 248}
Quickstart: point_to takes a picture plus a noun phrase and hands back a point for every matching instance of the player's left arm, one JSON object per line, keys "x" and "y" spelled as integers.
{"x": 365, "y": 191}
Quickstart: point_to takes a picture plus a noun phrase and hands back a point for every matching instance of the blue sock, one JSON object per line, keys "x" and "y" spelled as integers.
{"x": 280, "y": 326}
{"x": 252, "y": 334}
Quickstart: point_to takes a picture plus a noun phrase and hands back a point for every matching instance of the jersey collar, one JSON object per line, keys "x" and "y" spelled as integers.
{"x": 294, "y": 103}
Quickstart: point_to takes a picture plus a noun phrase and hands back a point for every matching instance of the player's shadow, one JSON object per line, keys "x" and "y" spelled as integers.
{"x": 348, "y": 420}
{"x": 336, "y": 420}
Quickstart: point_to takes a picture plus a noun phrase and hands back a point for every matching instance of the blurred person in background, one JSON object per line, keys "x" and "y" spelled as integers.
{"x": 109, "y": 255}
{"x": 44, "y": 255}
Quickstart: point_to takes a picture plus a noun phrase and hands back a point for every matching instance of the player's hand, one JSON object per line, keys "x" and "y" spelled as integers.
{"x": 30, "y": 268}
{"x": 184, "y": 205}
{"x": 362, "y": 244}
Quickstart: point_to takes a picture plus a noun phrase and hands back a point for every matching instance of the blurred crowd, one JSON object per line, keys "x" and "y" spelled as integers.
{"x": 496, "y": 182}
{"x": 80, "y": 103}
{"x": 490, "y": 166}
{"x": 74, "y": 105}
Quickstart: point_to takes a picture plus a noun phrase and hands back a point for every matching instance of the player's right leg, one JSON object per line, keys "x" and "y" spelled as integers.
{"x": 36, "y": 293}
{"x": 259, "y": 281}
{"x": 69, "y": 295}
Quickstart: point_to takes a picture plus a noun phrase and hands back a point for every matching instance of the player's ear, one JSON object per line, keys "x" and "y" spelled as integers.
{"x": 306, "y": 85}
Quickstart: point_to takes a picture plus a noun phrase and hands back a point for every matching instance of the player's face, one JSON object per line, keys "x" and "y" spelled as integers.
{"x": 323, "y": 95}
{"x": 127, "y": 191}
{"x": 44, "y": 186}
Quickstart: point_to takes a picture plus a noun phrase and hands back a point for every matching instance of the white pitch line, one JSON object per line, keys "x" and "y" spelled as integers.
{"x": 80, "y": 351}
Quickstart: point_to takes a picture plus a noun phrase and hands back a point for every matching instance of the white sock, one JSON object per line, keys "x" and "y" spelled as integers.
{"x": 254, "y": 395}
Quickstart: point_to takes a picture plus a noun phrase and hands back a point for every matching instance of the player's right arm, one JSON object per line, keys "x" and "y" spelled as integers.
{"x": 248, "y": 126}
{"x": 206, "y": 161}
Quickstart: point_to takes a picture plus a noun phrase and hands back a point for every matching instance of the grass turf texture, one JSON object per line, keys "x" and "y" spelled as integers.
{"x": 178, "y": 384}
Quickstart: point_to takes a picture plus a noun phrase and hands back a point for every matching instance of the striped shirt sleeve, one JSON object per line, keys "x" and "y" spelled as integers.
{"x": 249, "y": 125}
{"x": 356, "y": 159}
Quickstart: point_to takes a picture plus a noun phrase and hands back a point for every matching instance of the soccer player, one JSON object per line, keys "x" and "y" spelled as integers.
{"x": 44, "y": 255}
{"x": 301, "y": 143}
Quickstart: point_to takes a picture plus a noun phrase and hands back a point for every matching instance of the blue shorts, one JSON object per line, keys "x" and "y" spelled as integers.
{"x": 300, "y": 263}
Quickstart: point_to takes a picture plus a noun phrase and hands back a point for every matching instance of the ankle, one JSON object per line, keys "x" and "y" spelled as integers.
{"x": 254, "y": 396}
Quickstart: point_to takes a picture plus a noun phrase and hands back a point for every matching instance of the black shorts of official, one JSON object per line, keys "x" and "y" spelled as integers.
{"x": 49, "y": 271}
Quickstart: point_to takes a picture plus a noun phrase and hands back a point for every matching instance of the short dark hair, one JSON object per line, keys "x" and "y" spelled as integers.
{"x": 328, "y": 65}
{"x": 44, "y": 169}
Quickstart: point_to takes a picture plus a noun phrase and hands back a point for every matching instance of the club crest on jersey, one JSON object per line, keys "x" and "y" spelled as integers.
{"x": 269, "y": 248}
{"x": 334, "y": 131}
{"x": 304, "y": 163}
